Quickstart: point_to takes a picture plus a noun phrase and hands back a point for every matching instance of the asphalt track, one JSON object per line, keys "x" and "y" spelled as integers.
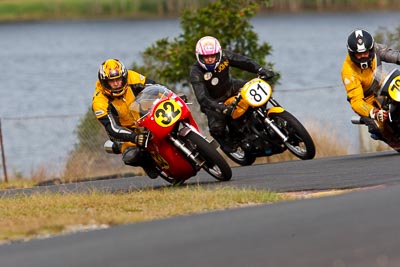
{"x": 360, "y": 228}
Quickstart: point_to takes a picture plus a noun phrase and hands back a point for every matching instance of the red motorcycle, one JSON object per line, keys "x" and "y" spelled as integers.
{"x": 174, "y": 142}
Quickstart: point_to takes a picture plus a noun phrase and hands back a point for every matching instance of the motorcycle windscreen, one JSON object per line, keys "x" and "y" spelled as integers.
{"x": 146, "y": 99}
{"x": 139, "y": 109}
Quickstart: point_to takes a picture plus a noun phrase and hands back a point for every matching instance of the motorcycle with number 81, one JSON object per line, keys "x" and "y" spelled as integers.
{"x": 258, "y": 130}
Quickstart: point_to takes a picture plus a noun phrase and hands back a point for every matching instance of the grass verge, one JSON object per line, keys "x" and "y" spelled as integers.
{"x": 26, "y": 217}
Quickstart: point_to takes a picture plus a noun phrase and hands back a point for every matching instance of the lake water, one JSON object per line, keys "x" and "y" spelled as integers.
{"x": 49, "y": 69}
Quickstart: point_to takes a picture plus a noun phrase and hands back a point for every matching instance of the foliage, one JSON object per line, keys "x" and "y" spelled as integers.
{"x": 18, "y": 10}
{"x": 15, "y": 10}
{"x": 228, "y": 21}
{"x": 90, "y": 132}
{"x": 392, "y": 39}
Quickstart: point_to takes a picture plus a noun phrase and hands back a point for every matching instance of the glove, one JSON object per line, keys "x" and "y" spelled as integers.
{"x": 139, "y": 139}
{"x": 265, "y": 74}
{"x": 184, "y": 98}
{"x": 225, "y": 109}
{"x": 379, "y": 114}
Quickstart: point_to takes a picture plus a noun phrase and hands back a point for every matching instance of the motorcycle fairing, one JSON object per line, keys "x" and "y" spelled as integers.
{"x": 240, "y": 108}
{"x": 167, "y": 113}
{"x": 391, "y": 85}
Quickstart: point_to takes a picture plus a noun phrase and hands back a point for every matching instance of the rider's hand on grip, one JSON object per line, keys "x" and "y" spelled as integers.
{"x": 140, "y": 139}
{"x": 265, "y": 74}
{"x": 184, "y": 98}
{"x": 379, "y": 114}
{"x": 228, "y": 110}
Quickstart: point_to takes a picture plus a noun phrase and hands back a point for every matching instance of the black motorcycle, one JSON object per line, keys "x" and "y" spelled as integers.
{"x": 259, "y": 130}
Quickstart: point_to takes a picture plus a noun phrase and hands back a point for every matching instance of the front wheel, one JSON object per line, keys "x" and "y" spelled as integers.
{"x": 299, "y": 142}
{"x": 241, "y": 157}
{"x": 214, "y": 163}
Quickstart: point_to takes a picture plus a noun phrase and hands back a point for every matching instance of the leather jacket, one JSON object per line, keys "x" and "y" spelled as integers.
{"x": 361, "y": 84}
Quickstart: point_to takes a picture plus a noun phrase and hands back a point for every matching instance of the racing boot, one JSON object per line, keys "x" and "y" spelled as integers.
{"x": 134, "y": 156}
{"x": 227, "y": 144}
{"x": 148, "y": 166}
{"x": 373, "y": 128}
{"x": 150, "y": 170}
{"x": 377, "y": 136}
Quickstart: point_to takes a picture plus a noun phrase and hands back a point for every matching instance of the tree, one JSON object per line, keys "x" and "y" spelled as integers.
{"x": 389, "y": 38}
{"x": 169, "y": 61}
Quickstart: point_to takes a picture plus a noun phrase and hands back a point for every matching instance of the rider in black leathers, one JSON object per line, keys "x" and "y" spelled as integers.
{"x": 212, "y": 83}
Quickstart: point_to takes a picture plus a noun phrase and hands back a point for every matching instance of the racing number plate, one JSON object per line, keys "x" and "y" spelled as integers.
{"x": 394, "y": 89}
{"x": 167, "y": 113}
{"x": 256, "y": 92}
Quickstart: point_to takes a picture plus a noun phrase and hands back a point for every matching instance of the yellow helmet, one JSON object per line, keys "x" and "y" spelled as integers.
{"x": 109, "y": 70}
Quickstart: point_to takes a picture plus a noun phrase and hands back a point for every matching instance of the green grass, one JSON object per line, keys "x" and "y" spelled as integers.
{"x": 11, "y": 10}
{"x": 20, "y": 10}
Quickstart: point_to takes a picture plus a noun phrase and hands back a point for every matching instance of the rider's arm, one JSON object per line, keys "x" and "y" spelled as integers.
{"x": 104, "y": 111}
{"x": 138, "y": 87}
{"x": 116, "y": 131}
{"x": 138, "y": 81}
{"x": 242, "y": 62}
{"x": 200, "y": 90}
{"x": 355, "y": 94}
{"x": 387, "y": 54}
{"x": 202, "y": 97}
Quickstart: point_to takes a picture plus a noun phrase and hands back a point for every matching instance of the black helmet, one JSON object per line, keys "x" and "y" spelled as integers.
{"x": 360, "y": 41}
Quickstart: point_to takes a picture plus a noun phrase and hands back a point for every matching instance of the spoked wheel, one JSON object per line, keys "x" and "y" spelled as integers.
{"x": 214, "y": 164}
{"x": 300, "y": 142}
{"x": 241, "y": 157}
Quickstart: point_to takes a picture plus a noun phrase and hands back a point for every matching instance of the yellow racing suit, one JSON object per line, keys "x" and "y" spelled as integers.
{"x": 360, "y": 84}
{"x": 113, "y": 112}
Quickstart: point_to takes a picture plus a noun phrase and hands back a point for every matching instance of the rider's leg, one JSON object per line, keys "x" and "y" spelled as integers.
{"x": 374, "y": 128}
{"x": 135, "y": 156}
{"x": 217, "y": 127}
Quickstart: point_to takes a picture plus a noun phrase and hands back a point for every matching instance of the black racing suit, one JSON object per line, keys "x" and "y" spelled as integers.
{"x": 212, "y": 88}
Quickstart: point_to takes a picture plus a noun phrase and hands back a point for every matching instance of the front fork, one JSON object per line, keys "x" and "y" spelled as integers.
{"x": 191, "y": 155}
{"x": 271, "y": 124}
{"x": 187, "y": 152}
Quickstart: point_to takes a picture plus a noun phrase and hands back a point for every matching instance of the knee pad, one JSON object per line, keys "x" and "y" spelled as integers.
{"x": 131, "y": 156}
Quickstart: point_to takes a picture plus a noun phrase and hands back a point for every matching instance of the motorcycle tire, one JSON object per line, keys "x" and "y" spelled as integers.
{"x": 241, "y": 157}
{"x": 215, "y": 164}
{"x": 300, "y": 142}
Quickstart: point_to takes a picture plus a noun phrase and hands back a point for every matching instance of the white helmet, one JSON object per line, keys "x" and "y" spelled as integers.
{"x": 206, "y": 46}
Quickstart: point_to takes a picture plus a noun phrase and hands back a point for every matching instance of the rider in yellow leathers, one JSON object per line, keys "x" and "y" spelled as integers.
{"x": 364, "y": 56}
{"x": 116, "y": 88}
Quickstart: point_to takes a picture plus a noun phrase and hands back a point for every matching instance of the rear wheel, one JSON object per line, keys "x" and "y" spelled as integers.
{"x": 241, "y": 157}
{"x": 300, "y": 142}
{"x": 214, "y": 163}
